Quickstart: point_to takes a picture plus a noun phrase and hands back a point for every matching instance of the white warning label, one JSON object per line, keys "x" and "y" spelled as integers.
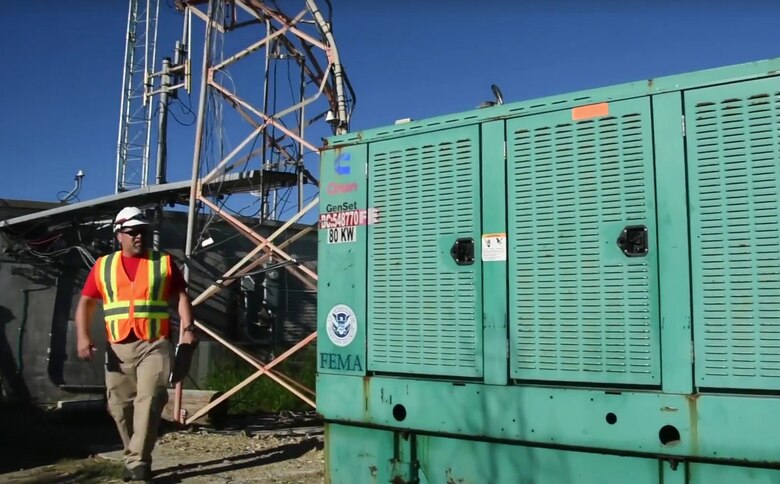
{"x": 493, "y": 247}
{"x": 342, "y": 234}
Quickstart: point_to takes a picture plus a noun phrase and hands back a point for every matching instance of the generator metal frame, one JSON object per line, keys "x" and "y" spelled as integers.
{"x": 625, "y": 327}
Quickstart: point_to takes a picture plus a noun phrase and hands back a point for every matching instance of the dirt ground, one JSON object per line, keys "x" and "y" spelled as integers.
{"x": 84, "y": 449}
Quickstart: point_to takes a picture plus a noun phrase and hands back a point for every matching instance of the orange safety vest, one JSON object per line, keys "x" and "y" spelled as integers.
{"x": 140, "y": 305}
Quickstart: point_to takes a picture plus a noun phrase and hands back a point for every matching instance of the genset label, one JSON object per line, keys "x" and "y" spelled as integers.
{"x": 349, "y": 218}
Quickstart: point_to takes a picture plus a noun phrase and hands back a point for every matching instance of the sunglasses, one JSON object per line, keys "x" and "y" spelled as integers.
{"x": 133, "y": 232}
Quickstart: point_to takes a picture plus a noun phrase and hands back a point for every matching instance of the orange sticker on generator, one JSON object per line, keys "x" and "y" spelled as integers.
{"x": 590, "y": 111}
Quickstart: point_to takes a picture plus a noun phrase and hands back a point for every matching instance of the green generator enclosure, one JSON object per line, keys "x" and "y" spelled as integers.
{"x": 577, "y": 289}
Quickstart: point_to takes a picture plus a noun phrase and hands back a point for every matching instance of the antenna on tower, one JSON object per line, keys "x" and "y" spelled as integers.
{"x": 135, "y": 114}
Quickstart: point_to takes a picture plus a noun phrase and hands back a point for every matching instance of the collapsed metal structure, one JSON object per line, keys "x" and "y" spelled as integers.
{"x": 304, "y": 42}
{"x": 305, "y": 95}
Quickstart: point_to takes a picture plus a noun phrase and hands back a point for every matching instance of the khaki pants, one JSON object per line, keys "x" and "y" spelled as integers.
{"x": 136, "y": 379}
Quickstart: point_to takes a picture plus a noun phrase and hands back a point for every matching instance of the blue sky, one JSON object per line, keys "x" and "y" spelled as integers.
{"x": 62, "y": 66}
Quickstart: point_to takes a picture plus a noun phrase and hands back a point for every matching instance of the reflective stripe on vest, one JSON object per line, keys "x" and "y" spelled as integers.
{"x": 141, "y": 305}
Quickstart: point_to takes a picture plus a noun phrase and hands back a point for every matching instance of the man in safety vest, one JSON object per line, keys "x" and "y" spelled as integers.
{"x": 136, "y": 286}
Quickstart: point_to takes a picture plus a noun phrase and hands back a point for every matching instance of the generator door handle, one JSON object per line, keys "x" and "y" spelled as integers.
{"x": 463, "y": 251}
{"x": 633, "y": 241}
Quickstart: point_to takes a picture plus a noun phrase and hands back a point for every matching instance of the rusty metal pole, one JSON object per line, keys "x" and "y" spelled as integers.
{"x": 162, "y": 147}
{"x": 195, "y": 185}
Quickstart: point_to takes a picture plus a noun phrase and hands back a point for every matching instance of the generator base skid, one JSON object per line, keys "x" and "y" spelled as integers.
{"x": 401, "y": 431}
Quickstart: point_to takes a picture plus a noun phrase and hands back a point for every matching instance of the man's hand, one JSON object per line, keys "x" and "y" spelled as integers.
{"x": 85, "y": 347}
{"x": 84, "y": 312}
{"x": 189, "y": 336}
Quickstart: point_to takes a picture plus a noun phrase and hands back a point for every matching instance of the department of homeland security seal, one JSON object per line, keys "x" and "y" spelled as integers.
{"x": 342, "y": 325}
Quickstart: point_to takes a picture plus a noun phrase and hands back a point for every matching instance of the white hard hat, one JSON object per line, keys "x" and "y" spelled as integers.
{"x": 129, "y": 217}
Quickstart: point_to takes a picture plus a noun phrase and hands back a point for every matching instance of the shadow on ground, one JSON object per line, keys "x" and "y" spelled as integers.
{"x": 31, "y": 437}
{"x": 253, "y": 459}
{"x": 82, "y": 471}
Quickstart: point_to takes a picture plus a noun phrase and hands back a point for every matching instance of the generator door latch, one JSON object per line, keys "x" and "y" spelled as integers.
{"x": 463, "y": 251}
{"x": 633, "y": 241}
